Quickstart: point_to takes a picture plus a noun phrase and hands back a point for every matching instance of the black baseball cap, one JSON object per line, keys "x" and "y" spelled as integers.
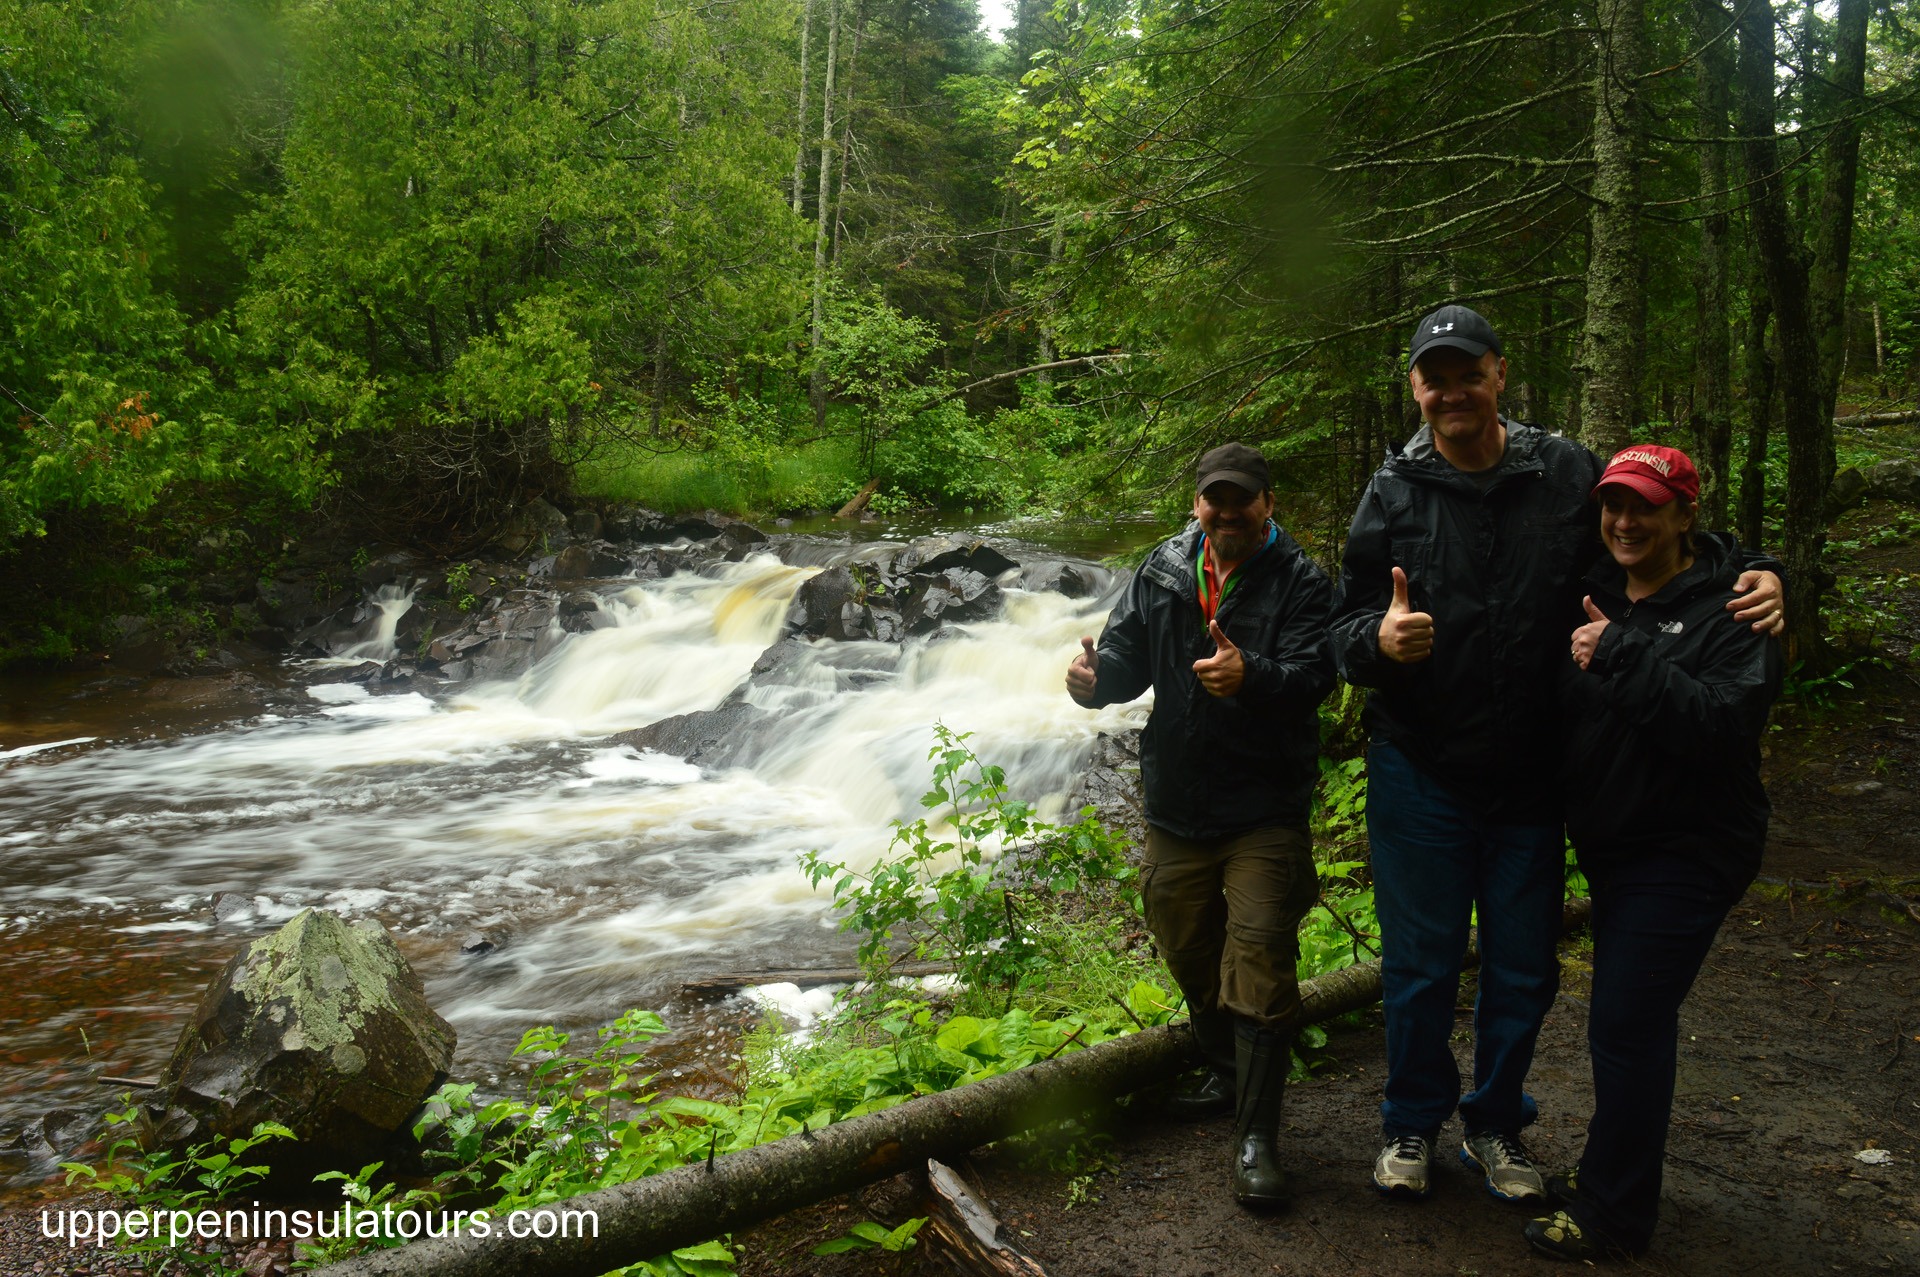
{"x": 1237, "y": 464}
{"x": 1454, "y": 327}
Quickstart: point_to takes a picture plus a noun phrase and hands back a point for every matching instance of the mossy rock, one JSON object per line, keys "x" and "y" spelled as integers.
{"x": 322, "y": 1027}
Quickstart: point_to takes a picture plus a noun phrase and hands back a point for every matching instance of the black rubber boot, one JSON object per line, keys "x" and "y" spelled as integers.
{"x": 1214, "y": 1096}
{"x": 1262, "y": 1059}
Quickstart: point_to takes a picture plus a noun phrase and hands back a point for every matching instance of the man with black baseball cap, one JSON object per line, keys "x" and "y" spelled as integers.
{"x": 1227, "y": 623}
{"x": 1460, "y": 583}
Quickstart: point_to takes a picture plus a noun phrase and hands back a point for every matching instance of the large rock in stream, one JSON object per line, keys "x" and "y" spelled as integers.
{"x": 322, "y": 1027}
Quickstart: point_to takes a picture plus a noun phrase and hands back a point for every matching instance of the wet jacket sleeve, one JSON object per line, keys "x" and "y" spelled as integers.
{"x": 1297, "y": 671}
{"x": 1360, "y": 602}
{"x": 1722, "y": 705}
{"x": 1126, "y": 668}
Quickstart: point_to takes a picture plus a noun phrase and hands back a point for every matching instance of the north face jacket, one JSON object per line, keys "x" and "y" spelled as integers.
{"x": 1664, "y": 724}
{"x": 1211, "y": 766}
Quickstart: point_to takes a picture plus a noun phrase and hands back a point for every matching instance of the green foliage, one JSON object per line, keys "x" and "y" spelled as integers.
{"x": 950, "y": 891}
{"x": 204, "y": 1175}
{"x": 867, "y": 1235}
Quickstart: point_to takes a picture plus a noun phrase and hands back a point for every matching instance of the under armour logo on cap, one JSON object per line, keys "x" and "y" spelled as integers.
{"x": 1453, "y": 328}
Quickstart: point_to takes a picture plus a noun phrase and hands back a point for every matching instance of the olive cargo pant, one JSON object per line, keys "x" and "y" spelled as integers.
{"x": 1225, "y": 914}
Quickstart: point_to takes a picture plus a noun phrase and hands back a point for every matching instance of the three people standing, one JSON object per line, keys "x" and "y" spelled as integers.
{"x": 1463, "y": 578}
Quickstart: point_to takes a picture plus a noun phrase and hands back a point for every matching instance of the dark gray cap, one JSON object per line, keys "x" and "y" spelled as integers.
{"x": 1453, "y": 327}
{"x": 1237, "y": 464}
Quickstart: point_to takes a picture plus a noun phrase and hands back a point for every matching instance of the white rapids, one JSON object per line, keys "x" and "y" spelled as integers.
{"x": 606, "y": 875}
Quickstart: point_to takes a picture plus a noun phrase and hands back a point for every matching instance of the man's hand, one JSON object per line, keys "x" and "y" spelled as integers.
{"x": 1587, "y": 638}
{"x": 1083, "y": 676}
{"x": 1406, "y": 636}
{"x": 1759, "y": 603}
{"x": 1222, "y": 673}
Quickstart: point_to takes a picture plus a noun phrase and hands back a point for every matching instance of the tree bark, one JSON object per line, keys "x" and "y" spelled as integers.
{"x": 1833, "y": 232}
{"x": 817, "y": 380}
{"x": 682, "y": 1207}
{"x": 800, "y": 114}
{"x": 978, "y": 1244}
{"x": 1760, "y": 385}
{"x": 1616, "y": 289}
{"x": 1713, "y": 355}
{"x": 1808, "y": 426}
{"x": 846, "y": 138}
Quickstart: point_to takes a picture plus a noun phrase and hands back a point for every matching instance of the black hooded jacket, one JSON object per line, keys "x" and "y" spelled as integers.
{"x": 1664, "y": 724}
{"x": 1496, "y": 559}
{"x": 1215, "y": 766}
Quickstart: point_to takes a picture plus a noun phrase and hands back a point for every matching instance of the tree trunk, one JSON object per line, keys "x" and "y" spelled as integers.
{"x": 1616, "y": 291}
{"x": 682, "y": 1207}
{"x": 1809, "y": 427}
{"x": 800, "y": 114}
{"x": 1833, "y": 233}
{"x": 1713, "y": 355}
{"x": 846, "y": 139}
{"x": 1760, "y": 381}
{"x": 817, "y": 381}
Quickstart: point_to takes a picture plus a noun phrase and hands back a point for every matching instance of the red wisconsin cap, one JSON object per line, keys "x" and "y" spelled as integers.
{"x": 1657, "y": 473}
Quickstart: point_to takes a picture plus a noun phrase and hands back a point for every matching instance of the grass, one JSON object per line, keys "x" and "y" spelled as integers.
{"x": 822, "y": 475}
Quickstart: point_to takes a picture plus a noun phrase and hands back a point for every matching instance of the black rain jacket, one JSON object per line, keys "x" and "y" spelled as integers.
{"x": 1213, "y": 766}
{"x": 1499, "y": 568}
{"x": 1663, "y": 748}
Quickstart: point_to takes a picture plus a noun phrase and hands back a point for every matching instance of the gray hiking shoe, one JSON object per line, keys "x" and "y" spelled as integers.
{"x": 1402, "y": 1168}
{"x": 1503, "y": 1159}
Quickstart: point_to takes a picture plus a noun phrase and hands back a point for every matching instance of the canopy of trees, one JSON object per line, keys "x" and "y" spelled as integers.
{"x": 423, "y": 256}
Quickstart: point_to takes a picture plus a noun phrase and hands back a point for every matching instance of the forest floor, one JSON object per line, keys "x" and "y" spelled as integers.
{"x": 1799, "y": 1048}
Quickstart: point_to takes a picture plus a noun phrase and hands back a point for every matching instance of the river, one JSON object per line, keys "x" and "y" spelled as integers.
{"x": 603, "y": 875}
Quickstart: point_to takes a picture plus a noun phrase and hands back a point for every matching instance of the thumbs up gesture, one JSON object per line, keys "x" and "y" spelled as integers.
{"x": 1406, "y": 636}
{"x": 1222, "y": 673}
{"x": 1083, "y": 676}
{"x": 1587, "y": 637}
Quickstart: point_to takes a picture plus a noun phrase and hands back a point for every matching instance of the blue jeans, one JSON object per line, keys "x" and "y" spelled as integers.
{"x": 1654, "y": 920}
{"x": 1433, "y": 861}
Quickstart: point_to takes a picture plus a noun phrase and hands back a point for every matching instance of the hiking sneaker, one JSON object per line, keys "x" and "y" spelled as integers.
{"x": 1563, "y": 1190}
{"x": 1401, "y": 1169}
{"x": 1559, "y": 1236}
{"x": 1503, "y": 1159}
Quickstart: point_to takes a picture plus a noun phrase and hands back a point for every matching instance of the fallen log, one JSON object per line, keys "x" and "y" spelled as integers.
{"x": 1869, "y": 419}
{"x": 860, "y": 499}
{"x": 723, "y": 983}
{"x": 690, "y": 1204}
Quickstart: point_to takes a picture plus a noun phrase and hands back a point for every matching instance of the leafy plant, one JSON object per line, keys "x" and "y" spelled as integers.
{"x": 951, "y": 890}
{"x": 867, "y": 1235}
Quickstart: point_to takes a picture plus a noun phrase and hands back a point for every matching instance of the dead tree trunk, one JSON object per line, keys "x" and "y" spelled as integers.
{"x": 817, "y": 379}
{"x": 1833, "y": 232}
{"x": 1616, "y": 285}
{"x": 682, "y": 1207}
{"x": 1808, "y": 425}
{"x": 1760, "y": 379}
{"x": 1713, "y": 354}
{"x": 800, "y": 114}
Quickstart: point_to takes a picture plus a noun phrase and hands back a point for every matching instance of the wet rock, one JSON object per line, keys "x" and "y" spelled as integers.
{"x": 477, "y": 944}
{"x": 229, "y": 905}
{"x": 712, "y": 738}
{"x": 1848, "y": 487}
{"x": 1111, "y": 785}
{"x": 586, "y": 525}
{"x": 627, "y": 522}
{"x": 1052, "y": 576}
{"x": 537, "y": 526}
{"x": 740, "y": 539}
{"x": 820, "y": 606}
{"x": 1894, "y": 481}
{"x": 321, "y": 1026}
{"x": 573, "y": 563}
{"x": 955, "y": 550}
{"x": 955, "y": 595}
{"x": 580, "y": 613}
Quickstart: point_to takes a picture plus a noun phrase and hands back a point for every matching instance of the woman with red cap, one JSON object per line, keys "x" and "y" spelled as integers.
{"x": 1665, "y": 695}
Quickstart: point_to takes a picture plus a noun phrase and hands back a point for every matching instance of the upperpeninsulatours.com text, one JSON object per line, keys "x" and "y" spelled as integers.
{"x": 103, "y": 1227}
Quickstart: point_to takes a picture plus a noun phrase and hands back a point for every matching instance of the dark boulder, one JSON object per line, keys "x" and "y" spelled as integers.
{"x": 322, "y": 1027}
{"x": 1895, "y": 481}
{"x": 628, "y": 522}
{"x": 824, "y": 604}
{"x": 955, "y": 595}
{"x": 740, "y": 539}
{"x": 711, "y": 738}
{"x": 1074, "y": 580}
{"x": 586, "y": 525}
{"x": 580, "y": 613}
{"x": 955, "y": 550}
{"x": 573, "y": 563}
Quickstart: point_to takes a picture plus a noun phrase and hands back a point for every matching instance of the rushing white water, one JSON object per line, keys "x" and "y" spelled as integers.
{"x": 606, "y": 875}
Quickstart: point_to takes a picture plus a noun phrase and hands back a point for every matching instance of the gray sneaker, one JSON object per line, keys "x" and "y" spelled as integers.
{"x": 1503, "y": 1159}
{"x": 1401, "y": 1169}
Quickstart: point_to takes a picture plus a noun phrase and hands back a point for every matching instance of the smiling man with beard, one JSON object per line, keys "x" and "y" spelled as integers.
{"x": 1227, "y": 622}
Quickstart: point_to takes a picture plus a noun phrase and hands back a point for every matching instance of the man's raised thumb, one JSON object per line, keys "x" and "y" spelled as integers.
{"x": 1221, "y": 643}
{"x": 1593, "y": 613}
{"x": 1087, "y": 648}
{"x": 1400, "y": 603}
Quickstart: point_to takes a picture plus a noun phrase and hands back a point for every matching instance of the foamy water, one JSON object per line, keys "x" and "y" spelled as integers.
{"x": 606, "y": 875}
